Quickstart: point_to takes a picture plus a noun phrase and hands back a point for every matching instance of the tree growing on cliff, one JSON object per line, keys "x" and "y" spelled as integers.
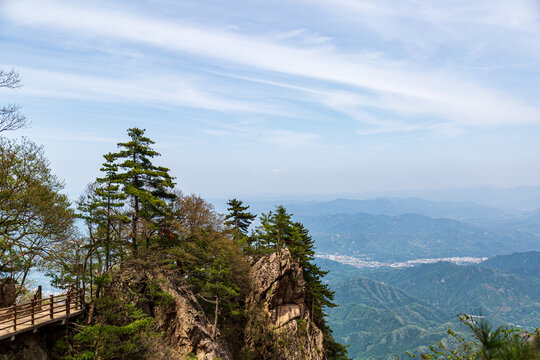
{"x": 217, "y": 285}
{"x": 146, "y": 185}
{"x": 238, "y": 217}
{"x": 276, "y": 230}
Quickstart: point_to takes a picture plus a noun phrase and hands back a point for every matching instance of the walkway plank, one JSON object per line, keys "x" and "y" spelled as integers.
{"x": 29, "y": 316}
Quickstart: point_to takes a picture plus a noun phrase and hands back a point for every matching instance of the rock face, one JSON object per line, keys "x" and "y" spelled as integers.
{"x": 7, "y": 292}
{"x": 32, "y": 346}
{"x": 181, "y": 317}
{"x": 279, "y": 324}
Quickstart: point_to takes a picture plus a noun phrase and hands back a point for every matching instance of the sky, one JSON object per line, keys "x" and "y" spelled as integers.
{"x": 246, "y": 98}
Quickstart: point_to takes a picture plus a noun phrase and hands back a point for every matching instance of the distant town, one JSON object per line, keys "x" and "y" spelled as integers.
{"x": 366, "y": 263}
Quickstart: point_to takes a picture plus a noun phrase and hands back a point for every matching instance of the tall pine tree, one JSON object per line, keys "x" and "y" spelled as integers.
{"x": 238, "y": 217}
{"x": 111, "y": 199}
{"x": 147, "y": 186}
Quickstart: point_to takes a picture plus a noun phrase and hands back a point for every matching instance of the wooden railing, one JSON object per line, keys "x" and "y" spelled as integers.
{"x": 39, "y": 310}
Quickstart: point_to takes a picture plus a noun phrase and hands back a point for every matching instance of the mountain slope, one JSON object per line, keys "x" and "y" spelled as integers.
{"x": 380, "y": 321}
{"x": 456, "y": 288}
{"x": 410, "y": 236}
{"x": 524, "y": 264}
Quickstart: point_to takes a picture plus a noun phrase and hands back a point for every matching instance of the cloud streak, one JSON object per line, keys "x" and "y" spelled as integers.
{"x": 400, "y": 88}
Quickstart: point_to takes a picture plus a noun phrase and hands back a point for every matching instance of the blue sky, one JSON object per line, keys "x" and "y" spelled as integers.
{"x": 284, "y": 97}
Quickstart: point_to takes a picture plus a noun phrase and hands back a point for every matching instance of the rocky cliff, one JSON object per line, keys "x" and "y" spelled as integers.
{"x": 165, "y": 295}
{"x": 279, "y": 324}
{"x": 275, "y": 323}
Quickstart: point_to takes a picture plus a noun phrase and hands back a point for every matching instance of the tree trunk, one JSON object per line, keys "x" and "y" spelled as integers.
{"x": 215, "y": 319}
{"x": 108, "y": 237}
{"x": 134, "y": 226}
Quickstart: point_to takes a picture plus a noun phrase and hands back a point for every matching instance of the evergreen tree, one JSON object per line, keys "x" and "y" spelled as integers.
{"x": 109, "y": 192}
{"x": 277, "y": 230}
{"x": 146, "y": 185}
{"x": 238, "y": 218}
{"x": 217, "y": 284}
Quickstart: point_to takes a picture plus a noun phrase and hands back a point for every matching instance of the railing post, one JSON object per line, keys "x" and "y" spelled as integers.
{"x": 33, "y": 310}
{"x": 14, "y": 317}
{"x": 51, "y": 306}
{"x": 67, "y": 304}
{"x": 38, "y": 293}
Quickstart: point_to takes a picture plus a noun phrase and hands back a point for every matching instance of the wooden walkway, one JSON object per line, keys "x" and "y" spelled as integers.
{"x": 40, "y": 311}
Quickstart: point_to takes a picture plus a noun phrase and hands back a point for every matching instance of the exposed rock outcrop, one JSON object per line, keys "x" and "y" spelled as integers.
{"x": 181, "y": 317}
{"x": 26, "y": 347}
{"x": 33, "y": 346}
{"x": 278, "y": 321}
{"x": 279, "y": 324}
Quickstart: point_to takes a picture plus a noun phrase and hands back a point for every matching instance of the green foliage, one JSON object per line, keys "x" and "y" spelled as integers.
{"x": 525, "y": 264}
{"x": 111, "y": 201}
{"x": 121, "y": 332}
{"x": 487, "y": 343}
{"x": 238, "y": 218}
{"x": 133, "y": 200}
{"x": 145, "y": 184}
{"x": 34, "y": 215}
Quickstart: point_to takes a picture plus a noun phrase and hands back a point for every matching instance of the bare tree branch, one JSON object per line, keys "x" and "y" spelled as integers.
{"x": 10, "y": 115}
{"x": 10, "y": 79}
{"x": 11, "y": 118}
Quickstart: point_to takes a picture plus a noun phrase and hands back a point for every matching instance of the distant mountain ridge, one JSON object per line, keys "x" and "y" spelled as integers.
{"x": 391, "y": 206}
{"x": 411, "y": 236}
{"x": 525, "y": 264}
{"x": 462, "y": 211}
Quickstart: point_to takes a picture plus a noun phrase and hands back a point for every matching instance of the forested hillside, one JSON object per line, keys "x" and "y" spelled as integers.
{"x": 523, "y": 264}
{"x": 470, "y": 289}
{"x": 410, "y": 236}
{"x": 379, "y": 320}
{"x": 386, "y": 311}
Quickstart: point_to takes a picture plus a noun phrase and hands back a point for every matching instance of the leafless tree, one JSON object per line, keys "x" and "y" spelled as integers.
{"x": 10, "y": 115}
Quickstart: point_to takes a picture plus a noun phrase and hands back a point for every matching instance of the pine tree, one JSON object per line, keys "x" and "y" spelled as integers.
{"x": 237, "y": 217}
{"x": 109, "y": 192}
{"x": 276, "y": 230}
{"x": 146, "y": 185}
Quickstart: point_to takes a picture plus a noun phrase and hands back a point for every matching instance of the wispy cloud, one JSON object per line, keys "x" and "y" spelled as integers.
{"x": 396, "y": 86}
{"x": 151, "y": 90}
{"x": 427, "y": 24}
{"x": 290, "y": 139}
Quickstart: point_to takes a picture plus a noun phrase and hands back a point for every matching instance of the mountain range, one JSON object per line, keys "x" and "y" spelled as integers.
{"x": 386, "y": 311}
{"x": 411, "y": 236}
